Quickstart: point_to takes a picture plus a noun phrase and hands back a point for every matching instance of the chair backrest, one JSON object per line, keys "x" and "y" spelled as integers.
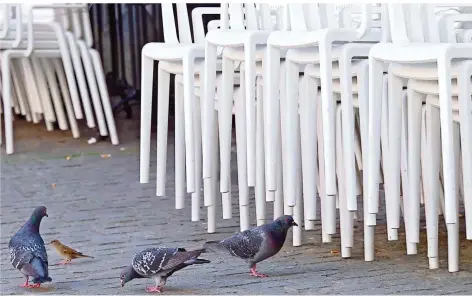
{"x": 419, "y": 23}
{"x": 313, "y": 16}
{"x": 248, "y": 16}
{"x": 169, "y": 24}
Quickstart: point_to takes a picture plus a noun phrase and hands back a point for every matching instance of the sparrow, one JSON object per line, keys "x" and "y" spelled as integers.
{"x": 67, "y": 252}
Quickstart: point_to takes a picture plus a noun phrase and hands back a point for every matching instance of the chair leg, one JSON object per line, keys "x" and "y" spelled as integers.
{"x": 92, "y": 83}
{"x": 102, "y": 86}
{"x": 414, "y": 155}
{"x": 215, "y": 192}
{"x": 147, "y": 68}
{"x": 432, "y": 164}
{"x": 162, "y": 128}
{"x": 225, "y": 104}
{"x": 273, "y": 68}
{"x": 260, "y": 189}
{"x": 325, "y": 234}
{"x": 308, "y": 114}
{"x": 466, "y": 144}
{"x": 79, "y": 74}
{"x": 250, "y": 106}
{"x": 196, "y": 196}
{"x": 345, "y": 216}
{"x": 6, "y": 95}
{"x": 289, "y": 117}
{"x": 61, "y": 77}
{"x": 179, "y": 145}
{"x": 241, "y": 158}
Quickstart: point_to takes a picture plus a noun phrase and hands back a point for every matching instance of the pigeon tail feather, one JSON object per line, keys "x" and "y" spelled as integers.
{"x": 197, "y": 261}
{"x": 214, "y": 246}
{"x": 41, "y": 280}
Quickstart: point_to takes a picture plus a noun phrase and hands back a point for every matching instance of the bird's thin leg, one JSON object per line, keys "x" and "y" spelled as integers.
{"x": 26, "y": 284}
{"x": 64, "y": 262}
{"x": 157, "y": 288}
{"x": 255, "y": 273}
{"x": 154, "y": 289}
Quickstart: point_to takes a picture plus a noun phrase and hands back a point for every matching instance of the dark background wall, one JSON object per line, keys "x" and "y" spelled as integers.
{"x": 120, "y": 31}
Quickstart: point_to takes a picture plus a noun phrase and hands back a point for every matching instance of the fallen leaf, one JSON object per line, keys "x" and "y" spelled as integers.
{"x": 105, "y": 155}
{"x": 460, "y": 215}
{"x": 67, "y": 157}
{"x": 53, "y": 185}
{"x": 334, "y": 252}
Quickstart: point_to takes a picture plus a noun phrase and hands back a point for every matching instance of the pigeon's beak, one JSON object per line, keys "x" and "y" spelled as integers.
{"x": 122, "y": 283}
{"x": 46, "y": 215}
{"x": 294, "y": 223}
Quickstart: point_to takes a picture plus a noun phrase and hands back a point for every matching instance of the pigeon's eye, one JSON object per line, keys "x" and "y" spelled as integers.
{"x": 122, "y": 276}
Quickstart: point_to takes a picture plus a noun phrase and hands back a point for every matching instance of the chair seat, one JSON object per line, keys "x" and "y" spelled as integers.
{"x": 313, "y": 70}
{"x": 172, "y": 52}
{"x": 415, "y": 52}
{"x": 235, "y": 38}
{"x": 432, "y": 87}
{"x": 300, "y": 39}
{"x": 423, "y": 71}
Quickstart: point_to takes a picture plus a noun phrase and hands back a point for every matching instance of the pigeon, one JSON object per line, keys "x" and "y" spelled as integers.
{"x": 160, "y": 263}
{"x": 256, "y": 244}
{"x": 66, "y": 252}
{"x": 27, "y": 251}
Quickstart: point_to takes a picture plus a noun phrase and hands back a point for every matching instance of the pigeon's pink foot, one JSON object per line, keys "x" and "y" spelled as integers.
{"x": 26, "y": 285}
{"x": 257, "y": 274}
{"x": 154, "y": 289}
{"x": 35, "y": 286}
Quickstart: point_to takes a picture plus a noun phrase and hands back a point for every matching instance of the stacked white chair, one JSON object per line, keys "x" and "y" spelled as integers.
{"x": 417, "y": 55}
{"x": 58, "y": 40}
{"x": 296, "y": 85}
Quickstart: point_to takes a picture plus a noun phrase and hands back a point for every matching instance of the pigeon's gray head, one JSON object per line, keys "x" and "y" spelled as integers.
{"x": 127, "y": 275}
{"x": 35, "y": 220}
{"x": 285, "y": 222}
{"x": 40, "y": 212}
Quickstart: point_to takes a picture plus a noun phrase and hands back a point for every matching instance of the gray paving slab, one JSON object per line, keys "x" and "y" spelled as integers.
{"x": 97, "y": 206}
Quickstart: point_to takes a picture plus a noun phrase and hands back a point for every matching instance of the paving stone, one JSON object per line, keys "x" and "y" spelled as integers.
{"x": 98, "y": 207}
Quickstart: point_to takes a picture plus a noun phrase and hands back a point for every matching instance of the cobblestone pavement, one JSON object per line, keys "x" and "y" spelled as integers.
{"x": 97, "y": 206}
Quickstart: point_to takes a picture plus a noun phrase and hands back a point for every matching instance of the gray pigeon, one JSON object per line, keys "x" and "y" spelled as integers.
{"x": 256, "y": 244}
{"x": 160, "y": 263}
{"x": 27, "y": 251}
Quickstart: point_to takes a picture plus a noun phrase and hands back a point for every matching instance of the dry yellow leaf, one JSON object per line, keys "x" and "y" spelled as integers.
{"x": 105, "y": 155}
{"x": 334, "y": 252}
{"x": 67, "y": 157}
{"x": 53, "y": 185}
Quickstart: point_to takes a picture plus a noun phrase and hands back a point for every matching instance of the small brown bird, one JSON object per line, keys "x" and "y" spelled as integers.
{"x": 66, "y": 252}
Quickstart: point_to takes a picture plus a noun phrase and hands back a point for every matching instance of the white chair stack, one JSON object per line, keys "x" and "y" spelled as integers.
{"x": 50, "y": 71}
{"x": 329, "y": 101}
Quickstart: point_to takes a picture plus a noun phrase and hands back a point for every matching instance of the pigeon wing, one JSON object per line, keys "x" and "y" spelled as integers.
{"x": 180, "y": 258}
{"x": 245, "y": 244}
{"x": 23, "y": 250}
{"x": 150, "y": 261}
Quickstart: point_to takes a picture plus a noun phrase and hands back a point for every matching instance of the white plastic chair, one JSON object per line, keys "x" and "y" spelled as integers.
{"x": 43, "y": 48}
{"x": 409, "y": 47}
{"x": 242, "y": 40}
{"x": 175, "y": 56}
{"x": 303, "y": 41}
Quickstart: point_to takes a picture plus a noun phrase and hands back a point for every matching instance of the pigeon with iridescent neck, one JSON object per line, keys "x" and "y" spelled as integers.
{"x": 27, "y": 251}
{"x": 256, "y": 244}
